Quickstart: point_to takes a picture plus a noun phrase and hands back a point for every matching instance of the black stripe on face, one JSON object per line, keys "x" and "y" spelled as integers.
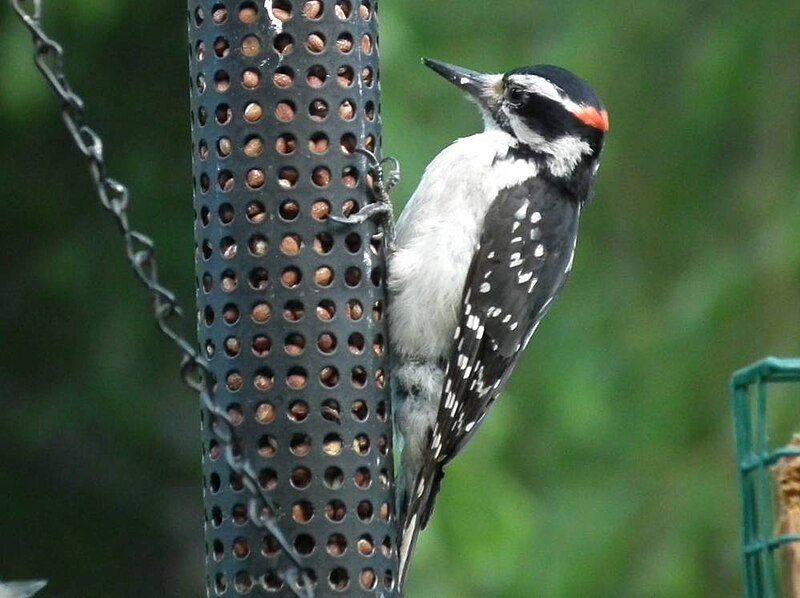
{"x": 546, "y": 117}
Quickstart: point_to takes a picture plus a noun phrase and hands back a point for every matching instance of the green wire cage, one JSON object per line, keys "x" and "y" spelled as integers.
{"x": 761, "y": 538}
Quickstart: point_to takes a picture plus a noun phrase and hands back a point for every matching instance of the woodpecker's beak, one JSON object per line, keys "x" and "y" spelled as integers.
{"x": 480, "y": 87}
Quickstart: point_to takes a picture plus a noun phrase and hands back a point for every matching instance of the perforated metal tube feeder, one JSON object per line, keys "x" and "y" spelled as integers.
{"x": 291, "y": 304}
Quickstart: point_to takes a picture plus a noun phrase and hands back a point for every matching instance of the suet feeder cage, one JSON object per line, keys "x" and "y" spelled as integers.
{"x": 770, "y": 482}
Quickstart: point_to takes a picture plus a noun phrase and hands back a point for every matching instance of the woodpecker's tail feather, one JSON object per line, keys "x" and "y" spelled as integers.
{"x": 420, "y": 509}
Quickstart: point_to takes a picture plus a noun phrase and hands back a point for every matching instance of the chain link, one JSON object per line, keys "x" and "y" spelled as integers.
{"x": 140, "y": 252}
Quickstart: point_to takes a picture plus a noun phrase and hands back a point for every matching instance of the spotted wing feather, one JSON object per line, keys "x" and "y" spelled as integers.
{"x": 521, "y": 264}
{"x": 523, "y": 260}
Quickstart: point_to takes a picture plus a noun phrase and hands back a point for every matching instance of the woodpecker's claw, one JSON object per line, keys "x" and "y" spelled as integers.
{"x": 382, "y": 185}
{"x": 364, "y": 214}
{"x": 379, "y": 168}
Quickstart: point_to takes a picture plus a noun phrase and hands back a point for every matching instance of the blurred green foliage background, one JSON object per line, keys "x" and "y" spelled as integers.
{"x": 606, "y": 470}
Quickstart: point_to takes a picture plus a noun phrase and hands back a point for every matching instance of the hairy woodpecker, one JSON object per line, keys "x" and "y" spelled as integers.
{"x": 483, "y": 248}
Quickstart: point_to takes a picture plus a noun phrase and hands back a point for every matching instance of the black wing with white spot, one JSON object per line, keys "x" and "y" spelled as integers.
{"x": 524, "y": 258}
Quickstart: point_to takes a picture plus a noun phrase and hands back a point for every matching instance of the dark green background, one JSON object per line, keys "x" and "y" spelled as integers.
{"x": 607, "y": 468}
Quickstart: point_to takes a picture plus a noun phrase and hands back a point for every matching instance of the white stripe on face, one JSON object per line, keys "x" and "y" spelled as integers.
{"x": 564, "y": 152}
{"x": 546, "y": 89}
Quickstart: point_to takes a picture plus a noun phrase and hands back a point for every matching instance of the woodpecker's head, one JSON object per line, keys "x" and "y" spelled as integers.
{"x": 548, "y": 110}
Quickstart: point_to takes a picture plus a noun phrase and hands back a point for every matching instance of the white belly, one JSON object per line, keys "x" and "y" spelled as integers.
{"x": 436, "y": 238}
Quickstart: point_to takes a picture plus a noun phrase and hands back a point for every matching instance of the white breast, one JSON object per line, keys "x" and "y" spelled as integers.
{"x": 436, "y": 238}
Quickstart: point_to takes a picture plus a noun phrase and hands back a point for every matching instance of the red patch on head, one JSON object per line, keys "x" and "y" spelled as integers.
{"x": 592, "y": 117}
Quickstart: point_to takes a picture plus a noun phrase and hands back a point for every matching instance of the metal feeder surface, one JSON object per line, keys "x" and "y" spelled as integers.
{"x": 292, "y": 304}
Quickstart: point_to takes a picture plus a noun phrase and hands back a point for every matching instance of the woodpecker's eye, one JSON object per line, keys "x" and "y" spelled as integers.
{"x": 514, "y": 94}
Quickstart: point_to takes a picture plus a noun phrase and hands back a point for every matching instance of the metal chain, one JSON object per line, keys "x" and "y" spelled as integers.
{"x": 140, "y": 252}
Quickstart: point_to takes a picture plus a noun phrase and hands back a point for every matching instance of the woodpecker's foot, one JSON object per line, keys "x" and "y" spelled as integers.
{"x": 369, "y": 211}
{"x": 383, "y": 182}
